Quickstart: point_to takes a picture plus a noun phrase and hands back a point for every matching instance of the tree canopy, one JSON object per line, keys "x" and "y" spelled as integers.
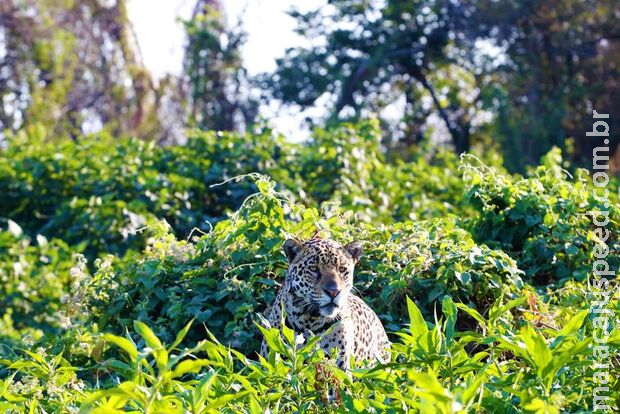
{"x": 519, "y": 77}
{"x": 525, "y": 75}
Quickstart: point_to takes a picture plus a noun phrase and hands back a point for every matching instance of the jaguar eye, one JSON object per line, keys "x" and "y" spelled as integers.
{"x": 342, "y": 269}
{"x": 313, "y": 269}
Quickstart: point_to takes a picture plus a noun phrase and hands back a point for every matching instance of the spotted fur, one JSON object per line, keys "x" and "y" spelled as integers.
{"x": 317, "y": 300}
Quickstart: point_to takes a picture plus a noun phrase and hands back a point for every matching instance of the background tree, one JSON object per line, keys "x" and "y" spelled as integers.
{"x": 74, "y": 67}
{"x": 561, "y": 63}
{"x": 523, "y": 74}
{"x": 218, "y": 89}
{"x": 366, "y": 54}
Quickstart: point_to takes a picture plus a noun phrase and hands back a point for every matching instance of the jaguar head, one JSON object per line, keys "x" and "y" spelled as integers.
{"x": 320, "y": 273}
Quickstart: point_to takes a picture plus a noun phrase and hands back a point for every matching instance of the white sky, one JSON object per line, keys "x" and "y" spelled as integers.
{"x": 161, "y": 35}
{"x": 270, "y": 31}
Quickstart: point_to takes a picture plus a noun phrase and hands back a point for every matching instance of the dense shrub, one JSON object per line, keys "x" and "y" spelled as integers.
{"x": 34, "y": 277}
{"x": 541, "y": 220}
{"x": 96, "y": 192}
{"x": 233, "y": 272}
{"x": 82, "y": 192}
{"x": 345, "y": 166}
{"x": 496, "y": 267}
{"x": 432, "y": 369}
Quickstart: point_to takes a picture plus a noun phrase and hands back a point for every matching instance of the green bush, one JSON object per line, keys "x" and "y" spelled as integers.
{"x": 232, "y": 273}
{"x": 480, "y": 277}
{"x": 34, "y": 278}
{"x": 345, "y": 166}
{"x": 432, "y": 369}
{"x": 540, "y": 220}
{"x": 95, "y": 193}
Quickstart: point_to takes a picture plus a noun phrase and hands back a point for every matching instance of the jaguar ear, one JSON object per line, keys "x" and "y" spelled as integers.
{"x": 291, "y": 248}
{"x": 354, "y": 249}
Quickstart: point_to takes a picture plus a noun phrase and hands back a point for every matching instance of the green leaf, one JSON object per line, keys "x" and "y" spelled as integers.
{"x": 429, "y": 384}
{"x": 201, "y": 392}
{"x": 450, "y": 311}
{"x": 463, "y": 277}
{"x": 474, "y": 387}
{"x": 225, "y": 399}
{"x": 123, "y": 343}
{"x": 473, "y": 313}
{"x": 272, "y": 337}
{"x": 417, "y": 324}
{"x": 23, "y": 364}
{"x": 149, "y": 337}
{"x": 181, "y": 335}
{"x": 106, "y": 410}
{"x": 125, "y": 390}
{"x": 122, "y": 368}
{"x": 37, "y": 358}
{"x": 255, "y": 407}
{"x": 189, "y": 366}
{"x": 539, "y": 406}
{"x": 574, "y": 324}
{"x": 496, "y": 312}
{"x": 5, "y": 407}
{"x": 288, "y": 334}
{"x": 536, "y": 347}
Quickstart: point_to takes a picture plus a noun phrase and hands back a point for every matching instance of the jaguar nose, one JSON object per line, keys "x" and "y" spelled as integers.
{"x": 332, "y": 290}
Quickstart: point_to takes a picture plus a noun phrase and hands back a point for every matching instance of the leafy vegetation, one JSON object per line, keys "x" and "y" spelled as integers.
{"x": 536, "y": 68}
{"x": 523, "y": 77}
{"x": 110, "y": 302}
{"x": 539, "y": 219}
{"x": 137, "y": 253}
